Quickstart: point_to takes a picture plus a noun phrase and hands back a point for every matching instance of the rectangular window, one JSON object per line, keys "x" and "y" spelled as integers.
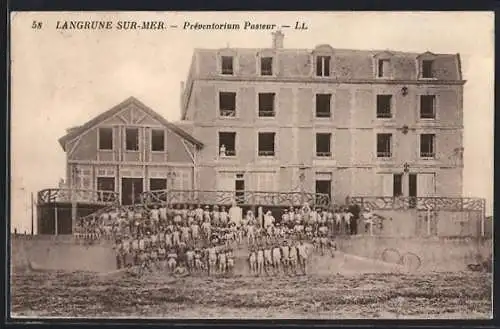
{"x": 323, "y": 66}
{"x": 323, "y": 141}
{"x": 266, "y": 144}
{"x": 427, "y": 72}
{"x": 383, "y": 68}
{"x": 132, "y": 139}
{"x": 427, "y": 145}
{"x": 397, "y": 189}
{"x": 157, "y": 140}
{"x": 157, "y": 184}
{"x": 227, "y": 144}
{"x": 323, "y": 102}
{"x": 384, "y": 106}
{"x": 266, "y": 105}
{"x": 266, "y": 66}
{"x": 427, "y": 107}
{"x": 384, "y": 145}
{"x": 227, "y": 104}
{"x": 105, "y": 138}
{"x": 227, "y": 65}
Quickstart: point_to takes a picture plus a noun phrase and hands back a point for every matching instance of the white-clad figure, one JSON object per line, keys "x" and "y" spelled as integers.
{"x": 268, "y": 219}
{"x": 222, "y": 151}
{"x": 368, "y": 217}
{"x": 235, "y": 214}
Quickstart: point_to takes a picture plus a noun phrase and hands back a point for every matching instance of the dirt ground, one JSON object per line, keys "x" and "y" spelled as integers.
{"x": 368, "y": 295}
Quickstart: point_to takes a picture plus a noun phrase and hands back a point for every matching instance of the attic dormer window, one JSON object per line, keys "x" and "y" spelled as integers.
{"x": 323, "y": 66}
{"x": 427, "y": 69}
{"x": 227, "y": 65}
{"x": 383, "y": 68}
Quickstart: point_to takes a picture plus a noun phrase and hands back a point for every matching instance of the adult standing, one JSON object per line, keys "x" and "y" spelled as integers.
{"x": 355, "y": 210}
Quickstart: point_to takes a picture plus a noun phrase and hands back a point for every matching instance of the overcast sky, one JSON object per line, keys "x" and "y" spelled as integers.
{"x": 62, "y": 79}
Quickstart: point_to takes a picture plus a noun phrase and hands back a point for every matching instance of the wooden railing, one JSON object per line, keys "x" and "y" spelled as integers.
{"x": 249, "y": 198}
{"x": 77, "y": 195}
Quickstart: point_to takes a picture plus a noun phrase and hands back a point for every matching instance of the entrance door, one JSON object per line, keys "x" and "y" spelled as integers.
{"x": 239, "y": 187}
{"x": 412, "y": 184}
{"x": 131, "y": 190}
{"x": 324, "y": 187}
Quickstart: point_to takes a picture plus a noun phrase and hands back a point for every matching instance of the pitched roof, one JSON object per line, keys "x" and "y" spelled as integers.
{"x": 74, "y": 132}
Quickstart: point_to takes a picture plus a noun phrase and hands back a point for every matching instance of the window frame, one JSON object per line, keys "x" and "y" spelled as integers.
{"x": 275, "y": 143}
{"x": 391, "y": 107}
{"x": 218, "y": 102}
{"x": 390, "y": 152}
{"x": 127, "y": 129}
{"x": 152, "y": 130}
{"x": 323, "y": 70}
{"x": 225, "y": 56}
{"x": 261, "y": 58}
{"x": 259, "y": 93}
{"x": 318, "y": 94}
{"x": 99, "y": 139}
{"x": 235, "y": 145}
{"x": 324, "y": 155}
{"x": 432, "y": 75}
{"x": 387, "y": 75}
{"x": 427, "y": 155}
{"x": 434, "y": 107}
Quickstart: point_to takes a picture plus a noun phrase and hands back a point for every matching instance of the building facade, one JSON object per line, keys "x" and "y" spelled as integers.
{"x": 129, "y": 149}
{"x": 342, "y": 122}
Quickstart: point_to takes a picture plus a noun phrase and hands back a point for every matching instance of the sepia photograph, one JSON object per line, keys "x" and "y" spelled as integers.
{"x": 251, "y": 165}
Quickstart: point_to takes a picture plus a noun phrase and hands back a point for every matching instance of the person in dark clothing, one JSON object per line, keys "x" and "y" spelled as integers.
{"x": 354, "y": 209}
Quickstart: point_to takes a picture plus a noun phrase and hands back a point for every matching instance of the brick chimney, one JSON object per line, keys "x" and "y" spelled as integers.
{"x": 278, "y": 37}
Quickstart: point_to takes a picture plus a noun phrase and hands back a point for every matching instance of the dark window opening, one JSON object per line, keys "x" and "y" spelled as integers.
{"x": 105, "y": 138}
{"x": 157, "y": 140}
{"x": 323, "y": 102}
{"x": 383, "y": 68}
{"x": 132, "y": 139}
{"x": 266, "y": 66}
{"x": 157, "y": 184}
{"x": 227, "y": 144}
{"x": 227, "y": 104}
{"x": 227, "y": 65}
{"x": 239, "y": 187}
{"x": 324, "y": 187}
{"x": 384, "y": 106}
{"x": 323, "y": 66}
{"x": 427, "y": 69}
{"x": 266, "y": 144}
{"x": 105, "y": 184}
{"x": 412, "y": 184}
{"x": 384, "y": 145}
{"x": 323, "y": 141}
{"x": 398, "y": 185}
{"x": 427, "y": 107}
{"x": 427, "y": 145}
{"x": 266, "y": 105}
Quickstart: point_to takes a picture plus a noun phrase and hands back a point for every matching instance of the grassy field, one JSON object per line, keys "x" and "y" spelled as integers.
{"x": 377, "y": 295}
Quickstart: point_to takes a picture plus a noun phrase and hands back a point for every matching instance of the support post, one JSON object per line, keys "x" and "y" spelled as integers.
{"x": 428, "y": 222}
{"x": 32, "y": 215}
{"x": 56, "y": 221}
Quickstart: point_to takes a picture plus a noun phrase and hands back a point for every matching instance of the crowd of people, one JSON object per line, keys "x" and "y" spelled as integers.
{"x": 203, "y": 239}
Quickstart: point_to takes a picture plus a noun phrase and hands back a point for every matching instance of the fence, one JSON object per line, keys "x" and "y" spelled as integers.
{"x": 427, "y": 216}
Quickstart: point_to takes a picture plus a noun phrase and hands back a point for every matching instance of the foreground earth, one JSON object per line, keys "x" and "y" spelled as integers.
{"x": 377, "y": 295}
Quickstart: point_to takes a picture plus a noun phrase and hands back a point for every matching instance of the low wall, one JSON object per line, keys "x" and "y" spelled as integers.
{"x": 436, "y": 253}
{"x": 61, "y": 253}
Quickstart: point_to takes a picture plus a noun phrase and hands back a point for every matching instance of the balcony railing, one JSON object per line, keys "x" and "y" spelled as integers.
{"x": 247, "y": 198}
{"x": 427, "y": 154}
{"x": 266, "y": 153}
{"x": 384, "y": 154}
{"x": 421, "y": 203}
{"x": 77, "y": 195}
{"x": 323, "y": 154}
{"x": 227, "y": 112}
{"x": 323, "y": 114}
{"x": 227, "y": 153}
{"x": 384, "y": 115}
{"x": 266, "y": 113}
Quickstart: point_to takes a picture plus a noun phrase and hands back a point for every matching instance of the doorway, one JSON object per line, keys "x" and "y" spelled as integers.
{"x": 131, "y": 190}
{"x": 239, "y": 187}
{"x": 412, "y": 189}
{"x": 324, "y": 187}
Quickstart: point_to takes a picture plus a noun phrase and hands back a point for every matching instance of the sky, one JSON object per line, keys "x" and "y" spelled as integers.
{"x": 63, "y": 78}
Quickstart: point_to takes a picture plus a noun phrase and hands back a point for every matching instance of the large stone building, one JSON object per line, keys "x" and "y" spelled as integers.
{"x": 344, "y": 122}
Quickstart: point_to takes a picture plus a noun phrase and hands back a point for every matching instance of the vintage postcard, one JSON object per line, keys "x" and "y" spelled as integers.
{"x": 251, "y": 165}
